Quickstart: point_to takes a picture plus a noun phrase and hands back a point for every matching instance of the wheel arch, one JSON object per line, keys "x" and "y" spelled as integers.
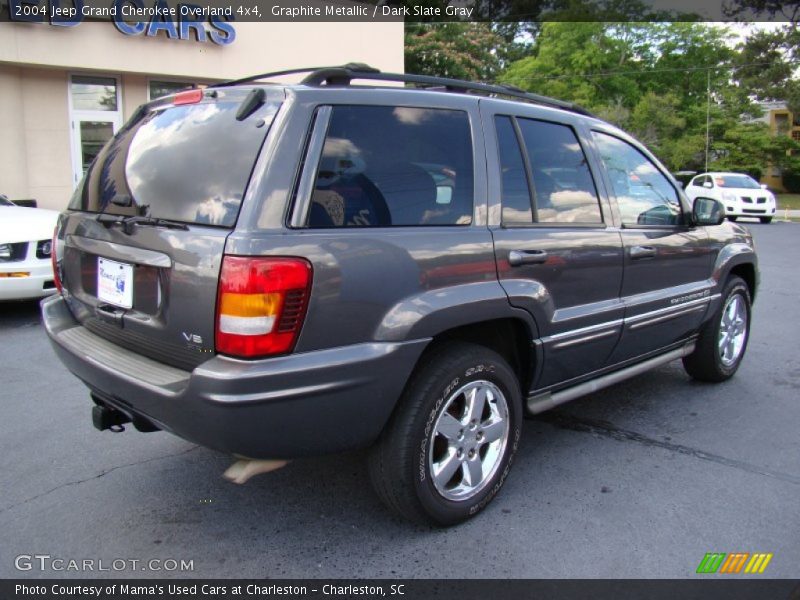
{"x": 737, "y": 259}
{"x": 510, "y": 337}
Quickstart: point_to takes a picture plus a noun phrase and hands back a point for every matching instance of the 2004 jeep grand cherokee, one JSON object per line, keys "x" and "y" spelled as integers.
{"x": 277, "y": 271}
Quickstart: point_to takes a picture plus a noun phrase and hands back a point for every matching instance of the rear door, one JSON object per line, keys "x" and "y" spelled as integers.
{"x": 666, "y": 287}
{"x": 152, "y": 288}
{"x": 558, "y": 254}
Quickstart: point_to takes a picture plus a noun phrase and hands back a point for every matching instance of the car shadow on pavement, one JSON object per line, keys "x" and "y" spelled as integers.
{"x": 19, "y": 313}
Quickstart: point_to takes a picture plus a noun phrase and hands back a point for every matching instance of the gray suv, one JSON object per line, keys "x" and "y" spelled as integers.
{"x": 278, "y": 271}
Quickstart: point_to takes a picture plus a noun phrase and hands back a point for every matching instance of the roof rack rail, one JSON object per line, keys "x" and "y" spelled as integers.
{"x": 360, "y": 67}
{"x": 345, "y": 74}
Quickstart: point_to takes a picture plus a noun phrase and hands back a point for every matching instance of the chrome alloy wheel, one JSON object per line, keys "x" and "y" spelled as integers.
{"x": 732, "y": 330}
{"x": 469, "y": 440}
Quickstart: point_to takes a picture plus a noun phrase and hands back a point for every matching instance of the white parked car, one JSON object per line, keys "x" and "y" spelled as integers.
{"x": 741, "y": 195}
{"x": 25, "y": 239}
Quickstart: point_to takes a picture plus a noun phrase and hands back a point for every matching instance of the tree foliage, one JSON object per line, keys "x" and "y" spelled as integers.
{"x": 661, "y": 81}
{"x": 657, "y": 79}
{"x": 461, "y": 50}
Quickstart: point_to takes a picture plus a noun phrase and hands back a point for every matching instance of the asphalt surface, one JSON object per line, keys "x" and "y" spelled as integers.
{"x": 639, "y": 480}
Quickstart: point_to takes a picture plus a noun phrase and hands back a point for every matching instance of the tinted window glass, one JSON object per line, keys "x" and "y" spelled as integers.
{"x": 391, "y": 166}
{"x": 187, "y": 163}
{"x": 644, "y": 195}
{"x": 565, "y": 190}
{"x": 516, "y": 197}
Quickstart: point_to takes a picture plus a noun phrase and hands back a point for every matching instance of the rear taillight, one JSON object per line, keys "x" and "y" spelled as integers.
{"x": 54, "y": 260}
{"x": 261, "y": 305}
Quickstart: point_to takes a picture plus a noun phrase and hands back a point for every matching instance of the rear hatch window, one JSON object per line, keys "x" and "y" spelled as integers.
{"x": 182, "y": 170}
{"x": 188, "y": 163}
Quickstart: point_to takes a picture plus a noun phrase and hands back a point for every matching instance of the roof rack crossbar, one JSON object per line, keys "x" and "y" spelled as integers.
{"x": 251, "y": 78}
{"x": 360, "y": 67}
{"x": 344, "y": 75}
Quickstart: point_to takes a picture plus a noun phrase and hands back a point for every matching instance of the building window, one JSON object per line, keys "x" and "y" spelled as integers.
{"x": 157, "y": 89}
{"x": 94, "y": 93}
{"x": 95, "y": 117}
{"x": 796, "y": 135}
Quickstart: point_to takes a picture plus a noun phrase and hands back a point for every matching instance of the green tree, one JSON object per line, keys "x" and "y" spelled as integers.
{"x": 749, "y": 147}
{"x": 767, "y": 63}
{"x": 460, "y": 50}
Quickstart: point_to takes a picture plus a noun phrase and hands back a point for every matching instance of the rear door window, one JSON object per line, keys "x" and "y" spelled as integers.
{"x": 390, "y": 166}
{"x": 516, "y": 195}
{"x": 188, "y": 163}
{"x": 563, "y": 188}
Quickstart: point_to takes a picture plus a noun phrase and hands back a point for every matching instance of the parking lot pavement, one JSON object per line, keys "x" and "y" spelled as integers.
{"x": 639, "y": 480}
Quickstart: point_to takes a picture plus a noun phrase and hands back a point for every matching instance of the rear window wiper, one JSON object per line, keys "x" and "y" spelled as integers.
{"x": 128, "y": 223}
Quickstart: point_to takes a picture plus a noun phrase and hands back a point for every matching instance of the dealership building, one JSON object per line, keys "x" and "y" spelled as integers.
{"x": 64, "y": 90}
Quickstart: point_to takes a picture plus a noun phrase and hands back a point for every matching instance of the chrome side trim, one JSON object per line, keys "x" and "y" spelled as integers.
{"x": 308, "y": 178}
{"x": 676, "y": 309}
{"x": 582, "y": 330}
{"x": 667, "y": 317}
{"x": 539, "y": 404}
{"x": 601, "y": 330}
{"x": 586, "y": 338}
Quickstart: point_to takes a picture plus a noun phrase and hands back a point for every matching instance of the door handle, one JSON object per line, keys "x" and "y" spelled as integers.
{"x": 643, "y": 252}
{"x": 526, "y": 257}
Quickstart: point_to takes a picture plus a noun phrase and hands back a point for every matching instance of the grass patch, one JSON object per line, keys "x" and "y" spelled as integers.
{"x": 790, "y": 201}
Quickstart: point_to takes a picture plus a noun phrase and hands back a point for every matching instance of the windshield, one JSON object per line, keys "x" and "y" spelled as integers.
{"x": 188, "y": 163}
{"x": 736, "y": 181}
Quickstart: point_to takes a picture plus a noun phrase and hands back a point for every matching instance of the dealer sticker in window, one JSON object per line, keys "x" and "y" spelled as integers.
{"x": 115, "y": 282}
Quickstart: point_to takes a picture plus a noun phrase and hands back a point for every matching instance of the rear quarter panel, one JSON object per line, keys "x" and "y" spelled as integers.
{"x": 372, "y": 284}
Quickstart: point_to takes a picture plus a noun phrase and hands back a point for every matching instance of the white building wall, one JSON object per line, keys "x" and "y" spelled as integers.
{"x": 37, "y": 60}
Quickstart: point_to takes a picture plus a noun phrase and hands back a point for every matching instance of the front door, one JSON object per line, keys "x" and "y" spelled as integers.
{"x": 666, "y": 287}
{"x": 557, "y": 254}
{"x": 95, "y": 118}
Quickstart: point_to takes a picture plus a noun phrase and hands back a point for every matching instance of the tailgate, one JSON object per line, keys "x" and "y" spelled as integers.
{"x": 152, "y": 286}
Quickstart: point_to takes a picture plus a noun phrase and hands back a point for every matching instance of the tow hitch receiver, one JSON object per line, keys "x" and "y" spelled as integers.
{"x": 108, "y": 418}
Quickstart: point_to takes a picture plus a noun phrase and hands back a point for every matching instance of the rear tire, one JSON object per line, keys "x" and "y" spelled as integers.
{"x": 723, "y": 340}
{"x": 449, "y": 446}
{"x": 766, "y": 220}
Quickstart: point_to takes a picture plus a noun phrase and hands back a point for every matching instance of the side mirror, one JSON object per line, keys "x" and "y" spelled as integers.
{"x": 707, "y": 211}
{"x": 763, "y": 186}
{"x": 708, "y": 185}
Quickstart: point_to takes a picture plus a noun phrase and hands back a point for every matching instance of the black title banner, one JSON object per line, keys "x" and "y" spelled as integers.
{"x": 689, "y": 589}
{"x": 71, "y": 12}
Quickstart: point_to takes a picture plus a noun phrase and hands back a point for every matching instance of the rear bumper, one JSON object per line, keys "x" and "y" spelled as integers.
{"x": 298, "y": 405}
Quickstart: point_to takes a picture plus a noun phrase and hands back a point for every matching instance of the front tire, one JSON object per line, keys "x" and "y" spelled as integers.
{"x": 732, "y": 219}
{"x": 766, "y": 220}
{"x": 723, "y": 340}
{"x": 449, "y": 446}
